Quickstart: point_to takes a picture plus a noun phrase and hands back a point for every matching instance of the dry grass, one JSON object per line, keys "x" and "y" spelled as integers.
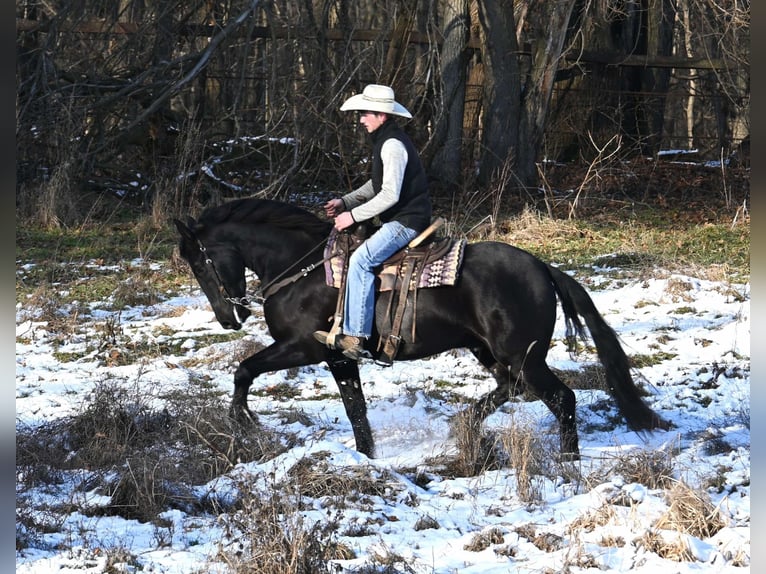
{"x": 384, "y": 560}
{"x": 690, "y": 512}
{"x": 651, "y": 468}
{"x": 484, "y": 539}
{"x": 668, "y": 546}
{"x": 520, "y": 447}
{"x": 531, "y": 226}
{"x": 145, "y": 457}
{"x": 475, "y": 448}
{"x": 316, "y": 477}
{"x": 529, "y": 455}
{"x": 590, "y": 376}
{"x": 593, "y": 519}
{"x": 269, "y": 535}
{"x": 136, "y": 291}
{"x": 45, "y": 305}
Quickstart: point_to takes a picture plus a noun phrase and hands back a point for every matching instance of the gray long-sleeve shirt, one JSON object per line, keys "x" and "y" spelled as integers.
{"x": 363, "y": 203}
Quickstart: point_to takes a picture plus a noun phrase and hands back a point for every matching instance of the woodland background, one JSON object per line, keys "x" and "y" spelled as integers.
{"x": 173, "y": 104}
{"x": 608, "y": 137}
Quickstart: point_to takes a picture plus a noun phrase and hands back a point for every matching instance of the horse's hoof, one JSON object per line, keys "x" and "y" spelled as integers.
{"x": 242, "y": 415}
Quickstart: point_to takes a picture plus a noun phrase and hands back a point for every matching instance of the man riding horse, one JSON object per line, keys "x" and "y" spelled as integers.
{"x": 396, "y": 193}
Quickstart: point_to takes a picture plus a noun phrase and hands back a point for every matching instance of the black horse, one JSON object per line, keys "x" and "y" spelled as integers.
{"x": 502, "y": 308}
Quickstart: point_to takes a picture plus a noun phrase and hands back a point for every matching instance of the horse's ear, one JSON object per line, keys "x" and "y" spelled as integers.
{"x": 185, "y": 229}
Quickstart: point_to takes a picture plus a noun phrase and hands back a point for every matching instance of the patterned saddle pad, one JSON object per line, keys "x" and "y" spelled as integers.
{"x": 443, "y": 259}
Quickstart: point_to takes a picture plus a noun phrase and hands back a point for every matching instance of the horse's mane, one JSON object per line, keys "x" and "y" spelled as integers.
{"x": 253, "y": 210}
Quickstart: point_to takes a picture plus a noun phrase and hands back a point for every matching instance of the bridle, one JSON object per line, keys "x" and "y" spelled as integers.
{"x": 263, "y": 292}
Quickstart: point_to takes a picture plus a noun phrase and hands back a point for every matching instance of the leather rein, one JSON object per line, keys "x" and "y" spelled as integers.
{"x": 280, "y": 281}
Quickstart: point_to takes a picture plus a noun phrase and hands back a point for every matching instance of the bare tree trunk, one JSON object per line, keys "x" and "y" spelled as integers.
{"x": 660, "y": 17}
{"x": 502, "y": 88}
{"x": 687, "y": 41}
{"x": 448, "y": 131}
{"x": 397, "y": 46}
{"x": 552, "y": 23}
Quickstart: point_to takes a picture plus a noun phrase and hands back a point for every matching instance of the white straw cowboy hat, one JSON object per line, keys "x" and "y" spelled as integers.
{"x": 376, "y": 98}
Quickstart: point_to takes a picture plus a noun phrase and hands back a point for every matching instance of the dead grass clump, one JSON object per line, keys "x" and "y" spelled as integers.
{"x": 134, "y": 292}
{"x": 527, "y": 455}
{"x": 385, "y": 561}
{"x": 426, "y": 522}
{"x": 528, "y": 531}
{"x": 146, "y": 485}
{"x": 113, "y": 422}
{"x": 520, "y": 447}
{"x": 679, "y": 290}
{"x": 589, "y": 377}
{"x": 214, "y": 442}
{"x": 270, "y": 535}
{"x": 652, "y": 468}
{"x": 690, "y": 512}
{"x": 40, "y": 455}
{"x": 244, "y": 348}
{"x": 593, "y": 519}
{"x": 674, "y": 547}
{"x": 532, "y": 227}
{"x": 476, "y": 450}
{"x": 42, "y": 304}
{"x": 314, "y": 476}
{"x": 612, "y": 541}
{"x": 545, "y": 541}
{"x": 46, "y": 305}
{"x": 484, "y": 539}
{"x": 549, "y": 542}
{"x": 56, "y": 205}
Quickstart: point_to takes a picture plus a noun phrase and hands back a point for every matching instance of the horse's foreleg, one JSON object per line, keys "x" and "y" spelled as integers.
{"x": 276, "y": 357}
{"x": 346, "y": 375}
{"x": 239, "y": 410}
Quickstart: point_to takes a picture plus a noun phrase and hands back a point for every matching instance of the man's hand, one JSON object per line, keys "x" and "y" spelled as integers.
{"x": 334, "y": 207}
{"x": 344, "y": 220}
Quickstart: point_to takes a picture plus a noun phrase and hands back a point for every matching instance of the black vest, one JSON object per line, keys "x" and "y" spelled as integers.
{"x": 413, "y": 209}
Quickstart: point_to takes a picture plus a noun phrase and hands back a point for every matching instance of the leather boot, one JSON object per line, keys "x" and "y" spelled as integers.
{"x": 352, "y": 347}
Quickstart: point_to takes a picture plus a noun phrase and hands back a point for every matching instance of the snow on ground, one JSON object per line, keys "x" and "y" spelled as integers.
{"x": 699, "y": 328}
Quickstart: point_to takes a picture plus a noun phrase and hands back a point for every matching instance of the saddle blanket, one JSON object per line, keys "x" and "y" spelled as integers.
{"x": 442, "y": 270}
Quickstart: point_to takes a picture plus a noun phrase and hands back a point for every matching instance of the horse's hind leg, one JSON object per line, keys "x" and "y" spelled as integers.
{"x": 540, "y": 379}
{"x": 560, "y": 399}
{"x": 346, "y": 375}
{"x": 509, "y": 384}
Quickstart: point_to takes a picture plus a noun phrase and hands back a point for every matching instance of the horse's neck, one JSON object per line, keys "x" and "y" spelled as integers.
{"x": 272, "y": 255}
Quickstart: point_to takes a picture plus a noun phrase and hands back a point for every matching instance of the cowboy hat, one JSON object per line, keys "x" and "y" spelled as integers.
{"x": 376, "y": 98}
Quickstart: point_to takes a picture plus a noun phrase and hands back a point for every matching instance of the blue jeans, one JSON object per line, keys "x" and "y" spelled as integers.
{"x": 359, "y": 308}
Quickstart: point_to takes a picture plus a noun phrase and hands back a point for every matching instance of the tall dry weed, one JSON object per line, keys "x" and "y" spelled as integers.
{"x": 529, "y": 455}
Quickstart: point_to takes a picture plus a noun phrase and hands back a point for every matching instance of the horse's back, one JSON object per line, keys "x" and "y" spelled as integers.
{"x": 503, "y": 295}
{"x": 506, "y": 266}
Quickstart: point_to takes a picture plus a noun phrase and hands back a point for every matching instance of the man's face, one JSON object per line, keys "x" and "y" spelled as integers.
{"x": 371, "y": 120}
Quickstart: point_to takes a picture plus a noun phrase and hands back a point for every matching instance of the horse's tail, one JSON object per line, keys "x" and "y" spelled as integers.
{"x": 576, "y": 301}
